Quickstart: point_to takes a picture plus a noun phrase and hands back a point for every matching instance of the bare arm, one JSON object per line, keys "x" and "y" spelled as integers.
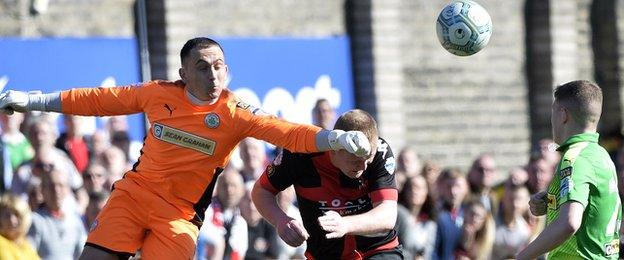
{"x": 379, "y": 219}
{"x": 289, "y": 229}
{"x": 564, "y": 226}
{"x": 267, "y": 205}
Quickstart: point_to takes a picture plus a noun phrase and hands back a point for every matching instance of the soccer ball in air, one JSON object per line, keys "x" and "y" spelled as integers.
{"x": 464, "y": 27}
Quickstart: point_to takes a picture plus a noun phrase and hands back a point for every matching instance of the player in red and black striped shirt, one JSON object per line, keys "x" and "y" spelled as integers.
{"x": 348, "y": 204}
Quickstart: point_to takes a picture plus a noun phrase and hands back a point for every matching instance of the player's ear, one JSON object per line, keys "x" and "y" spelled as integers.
{"x": 182, "y": 74}
{"x": 566, "y": 114}
{"x": 227, "y": 76}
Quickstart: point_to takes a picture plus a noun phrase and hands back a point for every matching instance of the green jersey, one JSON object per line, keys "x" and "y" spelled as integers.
{"x": 586, "y": 174}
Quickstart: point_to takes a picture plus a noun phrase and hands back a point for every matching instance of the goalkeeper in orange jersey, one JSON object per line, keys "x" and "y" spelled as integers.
{"x": 196, "y": 122}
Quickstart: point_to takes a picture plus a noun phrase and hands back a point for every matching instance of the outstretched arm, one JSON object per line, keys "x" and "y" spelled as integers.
{"x": 379, "y": 219}
{"x": 289, "y": 229}
{"x": 298, "y": 138}
{"x": 80, "y": 101}
{"x": 564, "y": 226}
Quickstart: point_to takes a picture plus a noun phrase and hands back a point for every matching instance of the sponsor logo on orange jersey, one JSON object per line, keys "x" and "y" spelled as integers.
{"x": 184, "y": 139}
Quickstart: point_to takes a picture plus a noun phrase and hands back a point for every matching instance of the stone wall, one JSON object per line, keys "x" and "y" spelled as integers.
{"x": 449, "y": 108}
{"x": 67, "y": 18}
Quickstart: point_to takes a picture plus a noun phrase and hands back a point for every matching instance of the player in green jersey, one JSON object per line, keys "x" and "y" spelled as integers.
{"x": 582, "y": 203}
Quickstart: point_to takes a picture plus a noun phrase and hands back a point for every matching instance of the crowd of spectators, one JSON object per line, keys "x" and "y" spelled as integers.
{"x": 54, "y": 184}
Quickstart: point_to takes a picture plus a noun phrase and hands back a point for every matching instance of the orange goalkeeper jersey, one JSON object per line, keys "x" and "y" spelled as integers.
{"x": 187, "y": 145}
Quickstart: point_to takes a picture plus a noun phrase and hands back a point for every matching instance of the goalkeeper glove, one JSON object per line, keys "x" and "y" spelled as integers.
{"x": 354, "y": 142}
{"x": 11, "y": 101}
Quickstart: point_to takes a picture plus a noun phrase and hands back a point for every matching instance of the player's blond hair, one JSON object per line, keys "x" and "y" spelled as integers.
{"x": 583, "y": 99}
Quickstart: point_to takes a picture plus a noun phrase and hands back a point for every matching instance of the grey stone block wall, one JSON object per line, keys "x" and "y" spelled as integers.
{"x": 458, "y": 107}
{"x": 450, "y": 108}
{"x": 387, "y": 41}
{"x": 185, "y": 19}
{"x": 564, "y": 40}
{"x": 68, "y": 18}
{"x": 584, "y": 54}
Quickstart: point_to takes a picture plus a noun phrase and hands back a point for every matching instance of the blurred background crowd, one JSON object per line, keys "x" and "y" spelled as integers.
{"x": 54, "y": 184}
{"x": 469, "y": 133}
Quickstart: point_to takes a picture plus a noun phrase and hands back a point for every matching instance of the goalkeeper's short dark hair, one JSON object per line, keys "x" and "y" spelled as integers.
{"x": 201, "y": 42}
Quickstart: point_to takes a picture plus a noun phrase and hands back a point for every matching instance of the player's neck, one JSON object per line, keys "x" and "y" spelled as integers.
{"x": 198, "y": 101}
{"x": 575, "y": 130}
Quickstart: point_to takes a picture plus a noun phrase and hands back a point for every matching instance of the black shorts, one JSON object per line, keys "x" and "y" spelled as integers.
{"x": 391, "y": 254}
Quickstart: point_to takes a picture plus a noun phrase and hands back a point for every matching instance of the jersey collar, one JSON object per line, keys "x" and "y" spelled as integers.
{"x": 584, "y": 137}
{"x": 196, "y": 101}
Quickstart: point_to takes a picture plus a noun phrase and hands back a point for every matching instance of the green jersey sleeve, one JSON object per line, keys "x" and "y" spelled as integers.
{"x": 576, "y": 182}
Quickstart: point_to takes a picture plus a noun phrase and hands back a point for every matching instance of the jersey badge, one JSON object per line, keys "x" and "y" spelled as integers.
{"x": 551, "y": 201}
{"x": 278, "y": 159}
{"x": 566, "y": 172}
{"x": 612, "y": 248}
{"x": 566, "y": 185}
{"x": 270, "y": 170}
{"x": 242, "y": 105}
{"x": 212, "y": 120}
{"x": 253, "y": 109}
{"x": 390, "y": 165}
{"x": 258, "y": 111}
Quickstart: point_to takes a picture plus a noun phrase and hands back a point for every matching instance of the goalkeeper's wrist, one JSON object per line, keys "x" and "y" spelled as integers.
{"x": 328, "y": 140}
{"x": 44, "y": 102}
{"x": 332, "y": 138}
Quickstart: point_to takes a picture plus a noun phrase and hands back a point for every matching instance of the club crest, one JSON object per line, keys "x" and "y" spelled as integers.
{"x": 390, "y": 165}
{"x": 212, "y": 120}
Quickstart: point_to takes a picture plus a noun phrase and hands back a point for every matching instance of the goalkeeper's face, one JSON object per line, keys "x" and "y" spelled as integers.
{"x": 204, "y": 72}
